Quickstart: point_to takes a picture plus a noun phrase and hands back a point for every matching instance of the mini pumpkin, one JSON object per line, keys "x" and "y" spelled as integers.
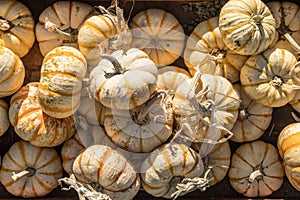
{"x": 288, "y": 146}
{"x": 4, "y": 120}
{"x": 159, "y": 34}
{"x": 106, "y": 167}
{"x": 253, "y": 118}
{"x": 206, "y": 51}
{"x": 12, "y": 72}
{"x": 256, "y": 170}
{"x": 124, "y": 79}
{"x": 32, "y": 124}
{"x": 270, "y": 77}
{"x": 16, "y": 27}
{"x": 167, "y": 166}
{"x": 59, "y": 24}
{"x": 247, "y": 26}
{"x": 295, "y": 103}
{"x": 62, "y": 72}
{"x": 29, "y": 171}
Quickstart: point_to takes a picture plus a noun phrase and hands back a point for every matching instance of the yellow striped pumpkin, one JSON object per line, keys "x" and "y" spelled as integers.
{"x": 288, "y": 146}
{"x": 253, "y": 118}
{"x": 100, "y": 164}
{"x": 102, "y": 34}
{"x": 59, "y": 24}
{"x": 62, "y": 72}
{"x": 29, "y": 171}
{"x": 256, "y": 170}
{"x": 32, "y": 124}
{"x": 206, "y": 51}
{"x": 4, "y": 120}
{"x": 166, "y": 166}
{"x": 270, "y": 77}
{"x": 159, "y": 34}
{"x": 16, "y": 27}
{"x": 247, "y": 26}
{"x": 286, "y": 15}
{"x": 124, "y": 79}
{"x": 12, "y": 72}
{"x": 217, "y": 160}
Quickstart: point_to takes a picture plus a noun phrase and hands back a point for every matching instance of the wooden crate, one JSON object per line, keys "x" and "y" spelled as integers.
{"x": 189, "y": 13}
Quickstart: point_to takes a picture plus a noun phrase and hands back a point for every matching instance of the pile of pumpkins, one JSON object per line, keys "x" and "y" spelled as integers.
{"x": 127, "y": 119}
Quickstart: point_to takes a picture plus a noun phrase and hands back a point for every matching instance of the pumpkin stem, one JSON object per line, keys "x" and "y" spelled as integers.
{"x": 29, "y": 171}
{"x": 5, "y": 25}
{"x": 257, "y": 18}
{"x": 294, "y": 44}
{"x": 218, "y": 55}
{"x": 254, "y": 175}
{"x": 115, "y": 63}
{"x": 243, "y": 114}
{"x": 296, "y": 118}
{"x": 51, "y": 27}
{"x": 277, "y": 81}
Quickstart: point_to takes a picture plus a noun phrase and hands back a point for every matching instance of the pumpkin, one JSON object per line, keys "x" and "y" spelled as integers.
{"x": 288, "y": 147}
{"x": 103, "y": 34}
{"x": 29, "y": 171}
{"x": 286, "y": 15}
{"x": 32, "y": 124}
{"x": 62, "y": 72}
{"x": 4, "y": 121}
{"x": 295, "y": 103}
{"x": 206, "y": 51}
{"x": 143, "y": 128}
{"x": 124, "y": 79}
{"x": 16, "y": 27}
{"x": 270, "y": 78}
{"x": 255, "y": 169}
{"x": 59, "y": 24}
{"x": 12, "y": 72}
{"x": 247, "y": 26}
{"x": 167, "y": 166}
{"x": 159, "y": 34}
{"x": 253, "y": 118}
{"x": 106, "y": 167}
{"x": 217, "y": 161}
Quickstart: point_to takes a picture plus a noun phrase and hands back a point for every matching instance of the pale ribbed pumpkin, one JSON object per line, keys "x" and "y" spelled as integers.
{"x": 166, "y": 166}
{"x": 253, "y": 118}
{"x": 206, "y": 51}
{"x": 100, "y": 164}
{"x": 159, "y": 34}
{"x": 143, "y": 128}
{"x": 12, "y": 72}
{"x": 270, "y": 77}
{"x": 59, "y": 24}
{"x": 16, "y": 27}
{"x": 103, "y": 34}
{"x": 32, "y": 124}
{"x": 247, "y": 26}
{"x": 124, "y": 79}
{"x": 4, "y": 120}
{"x": 256, "y": 170}
{"x": 287, "y": 16}
{"x": 288, "y": 146}
{"x": 62, "y": 72}
{"x": 295, "y": 103}
{"x": 29, "y": 171}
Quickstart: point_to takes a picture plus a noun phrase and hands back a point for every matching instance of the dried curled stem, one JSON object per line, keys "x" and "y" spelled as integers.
{"x": 84, "y": 191}
{"x": 4, "y": 25}
{"x": 51, "y": 27}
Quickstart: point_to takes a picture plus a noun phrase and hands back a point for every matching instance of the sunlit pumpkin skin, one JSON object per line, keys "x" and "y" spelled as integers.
{"x": 62, "y": 72}
{"x": 4, "y": 120}
{"x": 16, "y": 27}
{"x": 269, "y": 77}
{"x": 206, "y": 51}
{"x": 12, "y": 72}
{"x": 288, "y": 147}
{"x": 159, "y": 34}
{"x": 43, "y": 164}
{"x": 166, "y": 166}
{"x": 102, "y": 165}
{"x": 131, "y": 85}
{"x": 256, "y": 170}
{"x": 67, "y": 16}
{"x": 247, "y": 26}
{"x": 286, "y": 15}
{"x": 32, "y": 124}
{"x": 253, "y": 118}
